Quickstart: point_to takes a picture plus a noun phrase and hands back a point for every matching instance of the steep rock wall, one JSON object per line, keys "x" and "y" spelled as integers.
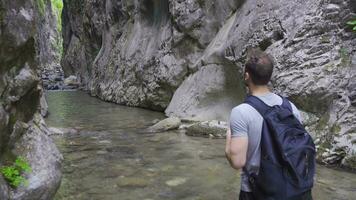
{"x": 186, "y": 57}
{"x": 22, "y": 129}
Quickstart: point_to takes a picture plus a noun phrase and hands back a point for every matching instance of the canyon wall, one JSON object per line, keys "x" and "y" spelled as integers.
{"x": 23, "y": 132}
{"x": 186, "y": 58}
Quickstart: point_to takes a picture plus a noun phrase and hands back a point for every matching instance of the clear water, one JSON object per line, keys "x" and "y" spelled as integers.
{"x": 112, "y": 158}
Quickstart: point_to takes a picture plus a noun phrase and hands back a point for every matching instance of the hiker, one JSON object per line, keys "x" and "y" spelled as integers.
{"x": 267, "y": 141}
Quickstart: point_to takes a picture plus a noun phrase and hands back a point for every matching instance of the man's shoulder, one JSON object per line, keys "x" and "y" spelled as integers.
{"x": 243, "y": 109}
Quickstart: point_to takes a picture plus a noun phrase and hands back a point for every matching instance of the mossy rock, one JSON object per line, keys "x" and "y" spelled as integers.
{"x": 41, "y": 6}
{"x": 350, "y": 162}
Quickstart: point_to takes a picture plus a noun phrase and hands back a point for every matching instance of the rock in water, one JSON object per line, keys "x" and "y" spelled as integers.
{"x": 166, "y": 124}
{"x": 71, "y": 81}
{"x": 61, "y": 131}
{"x": 211, "y": 129}
{"x": 177, "y": 181}
{"x": 45, "y": 160}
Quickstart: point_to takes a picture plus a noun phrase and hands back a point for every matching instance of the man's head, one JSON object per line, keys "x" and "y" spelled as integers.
{"x": 258, "y": 68}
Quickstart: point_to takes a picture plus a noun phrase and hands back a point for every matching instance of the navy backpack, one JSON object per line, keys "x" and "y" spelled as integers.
{"x": 287, "y": 165}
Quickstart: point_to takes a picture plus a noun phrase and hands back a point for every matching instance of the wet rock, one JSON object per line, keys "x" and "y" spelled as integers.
{"x": 334, "y": 156}
{"x": 211, "y": 129}
{"x": 165, "y": 125}
{"x": 44, "y": 106}
{"x": 61, "y": 131}
{"x": 176, "y": 181}
{"x": 350, "y": 161}
{"x": 53, "y": 77}
{"x": 71, "y": 81}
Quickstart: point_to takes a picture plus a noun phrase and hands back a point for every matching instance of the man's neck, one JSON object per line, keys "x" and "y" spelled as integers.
{"x": 258, "y": 90}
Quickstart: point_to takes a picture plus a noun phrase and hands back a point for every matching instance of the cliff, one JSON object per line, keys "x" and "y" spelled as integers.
{"x": 186, "y": 58}
{"x": 22, "y": 129}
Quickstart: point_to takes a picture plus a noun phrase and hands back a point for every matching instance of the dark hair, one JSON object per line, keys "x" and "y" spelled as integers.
{"x": 259, "y": 65}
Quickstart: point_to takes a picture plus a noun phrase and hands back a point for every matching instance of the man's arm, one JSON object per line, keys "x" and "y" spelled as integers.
{"x": 236, "y": 150}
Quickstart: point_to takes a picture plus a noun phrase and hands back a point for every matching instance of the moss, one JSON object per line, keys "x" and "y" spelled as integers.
{"x": 350, "y": 162}
{"x": 201, "y": 3}
{"x": 345, "y": 57}
{"x": 335, "y": 129}
{"x": 323, "y": 122}
{"x": 329, "y": 67}
{"x": 325, "y": 39}
{"x": 41, "y": 6}
{"x": 57, "y": 7}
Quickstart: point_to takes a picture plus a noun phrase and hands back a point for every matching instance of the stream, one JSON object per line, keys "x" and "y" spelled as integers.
{"x": 111, "y": 157}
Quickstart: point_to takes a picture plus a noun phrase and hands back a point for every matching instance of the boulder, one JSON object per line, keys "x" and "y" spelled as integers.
{"x": 61, "y": 131}
{"x": 43, "y": 106}
{"x": 166, "y": 124}
{"x": 210, "y": 129}
{"x": 71, "y": 81}
{"x": 45, "y": 161}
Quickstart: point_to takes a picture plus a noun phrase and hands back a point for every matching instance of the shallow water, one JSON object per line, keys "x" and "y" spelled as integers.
{"x": 112, "y": 158}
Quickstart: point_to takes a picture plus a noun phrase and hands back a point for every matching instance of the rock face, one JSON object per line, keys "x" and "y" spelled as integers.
{"x": 22, "y": 129}
{"x": 50, "y": 46}
{"x": 186, "y": 57}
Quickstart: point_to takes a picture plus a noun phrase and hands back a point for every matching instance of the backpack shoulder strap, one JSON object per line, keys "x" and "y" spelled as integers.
{"x": 286, "y": 104}
{"x": 258, "y": 104}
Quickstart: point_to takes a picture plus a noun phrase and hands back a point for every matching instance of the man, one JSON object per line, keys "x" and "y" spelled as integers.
{"x": 244, "y": 136}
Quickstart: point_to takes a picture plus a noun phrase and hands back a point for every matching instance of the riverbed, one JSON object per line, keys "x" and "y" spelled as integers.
{"x": 111, "y": 157}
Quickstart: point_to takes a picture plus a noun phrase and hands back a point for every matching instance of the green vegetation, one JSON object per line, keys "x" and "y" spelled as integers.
{"x": 14, "y": 174}
{"x": 345, "y": 57}
{"x": 353, "y": 24}
{"x": 41, "y": 6}
{"x": 57, "y": 7}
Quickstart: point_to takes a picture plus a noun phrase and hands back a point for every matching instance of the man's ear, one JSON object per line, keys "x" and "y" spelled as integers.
{"x": 247, "y": 76}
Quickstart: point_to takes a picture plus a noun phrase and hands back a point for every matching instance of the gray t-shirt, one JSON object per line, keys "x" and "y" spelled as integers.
{"x": 246, "y": 121}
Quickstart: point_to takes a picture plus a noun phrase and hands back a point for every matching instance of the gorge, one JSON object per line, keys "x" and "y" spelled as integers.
{"x": 181, "y": 58}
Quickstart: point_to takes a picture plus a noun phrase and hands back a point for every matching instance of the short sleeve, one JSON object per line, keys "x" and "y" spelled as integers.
{"x": 296, "y": 112}
{"x": 238, "y": 124}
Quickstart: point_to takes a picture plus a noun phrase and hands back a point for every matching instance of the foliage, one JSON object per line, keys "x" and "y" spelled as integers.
{"x": 353, "y": 24}
{"x": 14, "y": 173}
